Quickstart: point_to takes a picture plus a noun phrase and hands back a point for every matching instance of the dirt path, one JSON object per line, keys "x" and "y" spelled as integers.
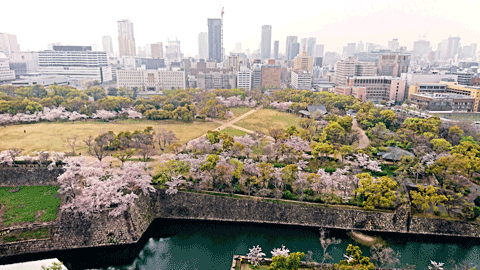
{"x": 363, "y": 140}
{"x": 231, "y": 123}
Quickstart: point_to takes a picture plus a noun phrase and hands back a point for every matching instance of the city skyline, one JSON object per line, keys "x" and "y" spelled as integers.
{"x": 333, "y": 24}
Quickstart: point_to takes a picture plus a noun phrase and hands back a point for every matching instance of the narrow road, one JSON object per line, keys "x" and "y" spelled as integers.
{"x": 363, "y": 140}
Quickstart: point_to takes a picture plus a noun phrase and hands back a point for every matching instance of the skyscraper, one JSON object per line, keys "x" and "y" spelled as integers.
{"x": 215, "y": 40}
{"x": 319, "y": 50}
{"x": 311, "y": 42}
{"x": 126, "y": 39}
{"x": 238, "y": 47}
{"x": 9, "y": 44}
{"x": 173, "y": 51}
{"x": 203, "y": 45}
{"x": 276, "y": 46}
{"x": 394, "y": 45}
{"x": 107, "y": 45}
{"x": 294, "y": 50}
{"x": 453, "y": 46}
{"x": 350, "y": 49}
{"x": 157, "y": 50}
{"x": 266, "y": 46}
{"x": 290, "y": 40}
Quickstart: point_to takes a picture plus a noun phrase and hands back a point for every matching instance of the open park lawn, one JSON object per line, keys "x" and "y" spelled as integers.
{"x": 239, "y": 111}
{"x": 28, "y": 204}
{"x": 234, "y": 132}
{"x": 264, "y": 119}
{"x": 51, "y": 136}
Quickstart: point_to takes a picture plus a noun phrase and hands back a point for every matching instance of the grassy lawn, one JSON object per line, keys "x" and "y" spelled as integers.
{"x": 29, "y": 204}
{"x": 234, "y": 132}
{"x": 35, "y": 234}
{"x": 239, "y": 111}
{"x": 264, "y": 119}
{"x": 459, "y": 116}
{"x": 51, "y": 136}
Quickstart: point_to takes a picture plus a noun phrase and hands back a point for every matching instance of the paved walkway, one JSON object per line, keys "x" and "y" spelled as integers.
{"x": 363, "y": 140}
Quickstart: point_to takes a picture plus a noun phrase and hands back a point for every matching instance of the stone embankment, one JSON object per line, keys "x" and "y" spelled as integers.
{"x": 73, "y": 231}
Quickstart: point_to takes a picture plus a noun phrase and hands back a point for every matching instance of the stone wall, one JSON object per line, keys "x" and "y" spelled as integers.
{"x": 28, "y": 176}
{"x": 103, "y": 230}
{"x": 184, "y": 205}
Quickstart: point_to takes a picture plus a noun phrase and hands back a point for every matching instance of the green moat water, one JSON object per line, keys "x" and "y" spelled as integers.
{"x": 182, "y": 244}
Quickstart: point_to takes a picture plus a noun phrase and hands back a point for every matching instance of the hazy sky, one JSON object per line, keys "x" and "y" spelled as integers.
{"x": 333, "y": 22}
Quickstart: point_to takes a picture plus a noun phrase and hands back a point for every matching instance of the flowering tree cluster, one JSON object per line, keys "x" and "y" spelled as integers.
{"x": 60, "y": 113}
{"x": 90, "y": 187}
{"x": 255, "y": 255}
{"x": 237, "y": 101}
{"x": 281, "y": 106}
{"x": 41, "y": 157}
{"x": 365, "y": 162}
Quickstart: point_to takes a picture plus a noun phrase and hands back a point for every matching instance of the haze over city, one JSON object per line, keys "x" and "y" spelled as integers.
{"x": 333, "y": 23}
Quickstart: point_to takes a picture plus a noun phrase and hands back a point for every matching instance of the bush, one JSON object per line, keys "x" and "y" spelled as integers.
{"x": 329, "y": 169}
{"x": 278, "y": 165}
{"x": 288, "y": 195}
{"x": 476, "y": 211}
{"x": 477, "y": 201}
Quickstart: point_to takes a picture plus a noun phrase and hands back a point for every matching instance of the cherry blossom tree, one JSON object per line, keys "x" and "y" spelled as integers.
{"x": 131, "y": 113}
{"x": 255, "y": 255}
{"x": 365, "y": 162}
{"x": 281, "y": 106}
{"x": 90, "y": 188}
{"x": 283, "y": 251}
{"x": 104, "y": 114}
{"x": 176, "y": 182}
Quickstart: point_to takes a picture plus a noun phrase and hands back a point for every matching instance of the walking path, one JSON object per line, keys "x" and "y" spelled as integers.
{"x": 235, "y": 120}
{"x": 363, "y": 140}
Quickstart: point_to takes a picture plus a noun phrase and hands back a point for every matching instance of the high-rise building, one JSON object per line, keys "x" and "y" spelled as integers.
{"x": 157, "y": 50}
{"x": 303, "y": 44}
{"x": 203, "y": 45}
{"x": 290, "y": 40}
{"x": 9, "y": 44}
{"x": 311, "y": 42}
{"x": 266, "y": 45}
{"x": 244, "y": 78}
{"x": 173, "y": 51}
{"x": 360, "y": 47}
{"x": 469, "y": 51}
{"x": 6, "y": 74}
{"x": 453, "y": 47}
{"x": 78, "y": 62}
{"x": 126, "y": 38}
{"x": 393, "y": 64}
{"x": 421, "y": 49}
{"x": 350, "y": 50}
{"x": 215, "y": 40}
{"x": 271, "y": 76}
{"x": 303, "y": 62}
{"x": 107, "y": 45}
{"x": 374, "y": 88}
{"x": 294, "y": 50}
{"x": 352, "y": 67}
{"x": 301, "y": 80}
{"x": 319, "y": 50}
{"x": 276, "y": 46}
{"x": 394, "y": 45}
{"x": 238, "y": 47}
{"x": 257, "y": 76}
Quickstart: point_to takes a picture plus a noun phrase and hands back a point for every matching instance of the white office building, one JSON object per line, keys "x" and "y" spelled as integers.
{"x": 78, "y": 62}
{"x": 6, "y": 75}
{"x": 29, "y": 58}
{"x": 301, "y": 80}
{"x": 107, "y": 45}
{"x": 8, "y": 44}
{"x": 151, "y": 80}
{"x": 244, "y": 78}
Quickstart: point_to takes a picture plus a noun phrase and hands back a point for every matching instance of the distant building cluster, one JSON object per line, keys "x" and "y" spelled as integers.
{"x": 444, "y": 79}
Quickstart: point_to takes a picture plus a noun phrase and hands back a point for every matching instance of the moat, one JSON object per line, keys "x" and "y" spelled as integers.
{"x": 188, "y": 244}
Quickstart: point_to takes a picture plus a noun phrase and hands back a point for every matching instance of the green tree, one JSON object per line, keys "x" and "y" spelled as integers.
{"x": 335, "y": 132}
{"x": 290, "y": 174}
{"x": 377, "y": 194}
{"x": 427, "y": 198}
{"x": 322, "y": 149}
{"x": 346, "y": 122}
{"x": 292, "y": 262}
{"x": 96, "y": 92}
{"x": 440, "y": 145}
{"x": 355, "y": 260}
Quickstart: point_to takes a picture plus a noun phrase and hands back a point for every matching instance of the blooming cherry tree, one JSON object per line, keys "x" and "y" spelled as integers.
{"x": 280, "y": 251}
{"x": 255, "y": 255}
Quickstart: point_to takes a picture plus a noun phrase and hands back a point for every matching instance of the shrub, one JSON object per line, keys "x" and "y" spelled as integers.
{"x": 477, "y": 201}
